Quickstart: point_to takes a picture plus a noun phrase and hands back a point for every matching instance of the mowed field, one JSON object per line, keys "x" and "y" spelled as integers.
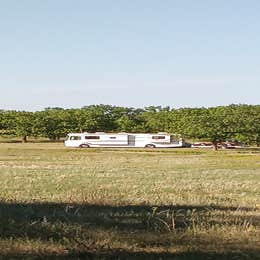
{"x": 63, "y": 203}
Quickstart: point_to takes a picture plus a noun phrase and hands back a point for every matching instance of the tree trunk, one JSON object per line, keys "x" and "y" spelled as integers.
{"x": 24, "y": 140}
{"x": 215, "y": 146}
{"x": 258, "y": 141}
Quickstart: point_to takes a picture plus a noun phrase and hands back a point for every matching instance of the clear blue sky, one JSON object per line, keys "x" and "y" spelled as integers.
{"x": 72, "y": 53}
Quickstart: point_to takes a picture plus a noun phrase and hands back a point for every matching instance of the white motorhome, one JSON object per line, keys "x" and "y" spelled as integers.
{"x": 101, "y": 139}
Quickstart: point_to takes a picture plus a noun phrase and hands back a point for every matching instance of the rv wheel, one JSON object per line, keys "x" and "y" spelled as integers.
{"x": 84, "y": 146}
{"x": 150, "y": 146}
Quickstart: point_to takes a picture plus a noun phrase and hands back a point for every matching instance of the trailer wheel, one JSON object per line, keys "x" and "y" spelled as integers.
{"x": 84, "y": 146}
{"x": 150, "y": 146}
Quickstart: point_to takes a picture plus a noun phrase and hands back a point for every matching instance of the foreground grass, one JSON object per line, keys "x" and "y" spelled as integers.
{"x": 135, "y": 203}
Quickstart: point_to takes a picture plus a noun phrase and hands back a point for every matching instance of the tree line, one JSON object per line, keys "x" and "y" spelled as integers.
{"x": 215, "y": 124}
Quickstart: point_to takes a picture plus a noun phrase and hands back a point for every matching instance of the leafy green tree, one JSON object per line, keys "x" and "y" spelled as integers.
{"x": 131, "y": 121}
{"x": 201, "y": 123}
{"x": 50, "y": 123}
{"x": 24, "y": 122}
{"x": 248, "y": 120}
{"x": 214, "y": 124}
{"x": 7, "y": 123}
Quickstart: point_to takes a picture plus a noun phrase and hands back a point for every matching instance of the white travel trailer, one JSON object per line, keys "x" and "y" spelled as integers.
{"x": 101, "y": 139}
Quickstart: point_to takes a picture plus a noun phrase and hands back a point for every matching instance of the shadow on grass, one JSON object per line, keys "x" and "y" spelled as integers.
{"x": 75, "y": 226}
{"x": 118, "y": 255}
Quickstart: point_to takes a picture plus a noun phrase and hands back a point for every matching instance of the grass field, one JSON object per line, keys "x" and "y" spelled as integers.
{"x": 65, "y": 203}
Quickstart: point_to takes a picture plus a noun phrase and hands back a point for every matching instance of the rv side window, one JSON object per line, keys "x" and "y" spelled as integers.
{"x": 92, "y": 137}
{"x": 75, "y": 137}
{"x": 156, "y": 137}
{"x": 112, "y": 137}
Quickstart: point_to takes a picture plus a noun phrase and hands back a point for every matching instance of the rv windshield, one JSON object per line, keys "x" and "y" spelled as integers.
{"x": 75, "y": 137}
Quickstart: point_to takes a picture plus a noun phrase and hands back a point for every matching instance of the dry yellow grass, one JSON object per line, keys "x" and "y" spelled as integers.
{"x": 137, "y": 203}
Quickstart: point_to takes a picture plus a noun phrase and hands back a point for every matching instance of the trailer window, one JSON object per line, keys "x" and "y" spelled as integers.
{"x": 157, "y": 137}
{"x": 92, "y": 137}
{"x": 112, "y": 137}
{"x": 75, "y": 137}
